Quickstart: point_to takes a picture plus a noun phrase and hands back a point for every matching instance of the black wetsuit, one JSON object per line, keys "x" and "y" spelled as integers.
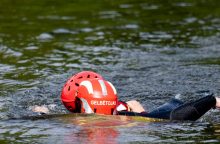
{"x": 177, "y": 110}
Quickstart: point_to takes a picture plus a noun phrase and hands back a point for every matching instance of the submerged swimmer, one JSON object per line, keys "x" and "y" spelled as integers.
{"x": 88, "y": 92}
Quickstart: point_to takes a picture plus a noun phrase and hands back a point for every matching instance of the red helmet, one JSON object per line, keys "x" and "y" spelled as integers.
{"x": 68, "y": 95}
{"x": 97, "y": 96}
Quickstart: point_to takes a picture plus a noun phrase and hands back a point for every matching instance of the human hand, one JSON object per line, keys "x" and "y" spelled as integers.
{"x": 40, "y": 109}
{"x": 135, "y": 106}
{"x": 217, "y": 102}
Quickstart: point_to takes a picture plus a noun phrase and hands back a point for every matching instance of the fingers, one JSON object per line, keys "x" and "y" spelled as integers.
{"x": 40, "y": 109}
{"x": 217, "y": 102}
{"x": 135, "y": 106}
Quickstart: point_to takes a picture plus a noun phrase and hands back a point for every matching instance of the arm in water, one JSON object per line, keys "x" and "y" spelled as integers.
{"x": 172, "y": 110}
{"x": 175, "y": 109}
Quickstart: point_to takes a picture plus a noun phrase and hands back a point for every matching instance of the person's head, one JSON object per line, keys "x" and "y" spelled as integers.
{"x": 68, "y": 95}
{"x": 88, "y": 92}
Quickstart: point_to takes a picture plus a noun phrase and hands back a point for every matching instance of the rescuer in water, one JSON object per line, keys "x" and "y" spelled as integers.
{"x": 88, "y": 92}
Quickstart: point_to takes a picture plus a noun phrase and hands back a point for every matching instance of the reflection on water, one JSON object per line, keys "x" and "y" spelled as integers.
{"x": 41, "y": 131}
{"x": 150, "y": 50}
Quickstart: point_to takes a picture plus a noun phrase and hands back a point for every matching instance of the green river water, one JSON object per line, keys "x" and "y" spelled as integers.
{"x": 151, "y": 50}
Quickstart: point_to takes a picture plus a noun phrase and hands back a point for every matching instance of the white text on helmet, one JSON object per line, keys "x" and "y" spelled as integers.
{"x": 103, "y": 102}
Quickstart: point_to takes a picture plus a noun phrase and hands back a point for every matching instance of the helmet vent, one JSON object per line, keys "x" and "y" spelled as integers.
{"x": 80, "y": 77}
{"x": 71, "y": 81}
{"x": 96, "y": 77}
{"x": 76, "y": 84}
{"x": 69, "y": 88}
{"x": 88, "y": 76}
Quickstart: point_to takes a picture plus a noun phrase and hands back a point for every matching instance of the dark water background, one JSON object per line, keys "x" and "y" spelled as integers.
{"x": 150, "y": 50}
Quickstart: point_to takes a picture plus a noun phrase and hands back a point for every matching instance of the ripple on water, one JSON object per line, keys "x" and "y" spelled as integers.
{"x": 109, "y": 14}
{"x": 6, "y": 51}
{"x": 190, "y": 20}
{"x": 56, "y": 17}
{"x": 86, "y": 30}
{"x": 45, "y": 37}
{"x": 129, "y": 26}
{"x": 64, "y": 31}
{"x": 159, "y": 35}
{"x": 32, "y": 47}
{"x": 125, "y": 6}
{"x": 146, "y": 6}
{"x": 169, "y": 132}
{"x": 4, "y": 68}
{"x": 183, "y": 4}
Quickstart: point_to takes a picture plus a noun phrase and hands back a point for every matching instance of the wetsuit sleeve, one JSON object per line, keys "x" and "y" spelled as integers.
{"x": 193, "y": 110}
{"x": 162, "y": 112}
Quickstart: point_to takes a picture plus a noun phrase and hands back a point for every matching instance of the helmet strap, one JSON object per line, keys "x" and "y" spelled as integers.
{"x": 78, "y": 105}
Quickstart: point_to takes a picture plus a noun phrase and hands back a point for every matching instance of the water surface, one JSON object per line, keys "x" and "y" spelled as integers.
{"x": 150, "y": 50}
